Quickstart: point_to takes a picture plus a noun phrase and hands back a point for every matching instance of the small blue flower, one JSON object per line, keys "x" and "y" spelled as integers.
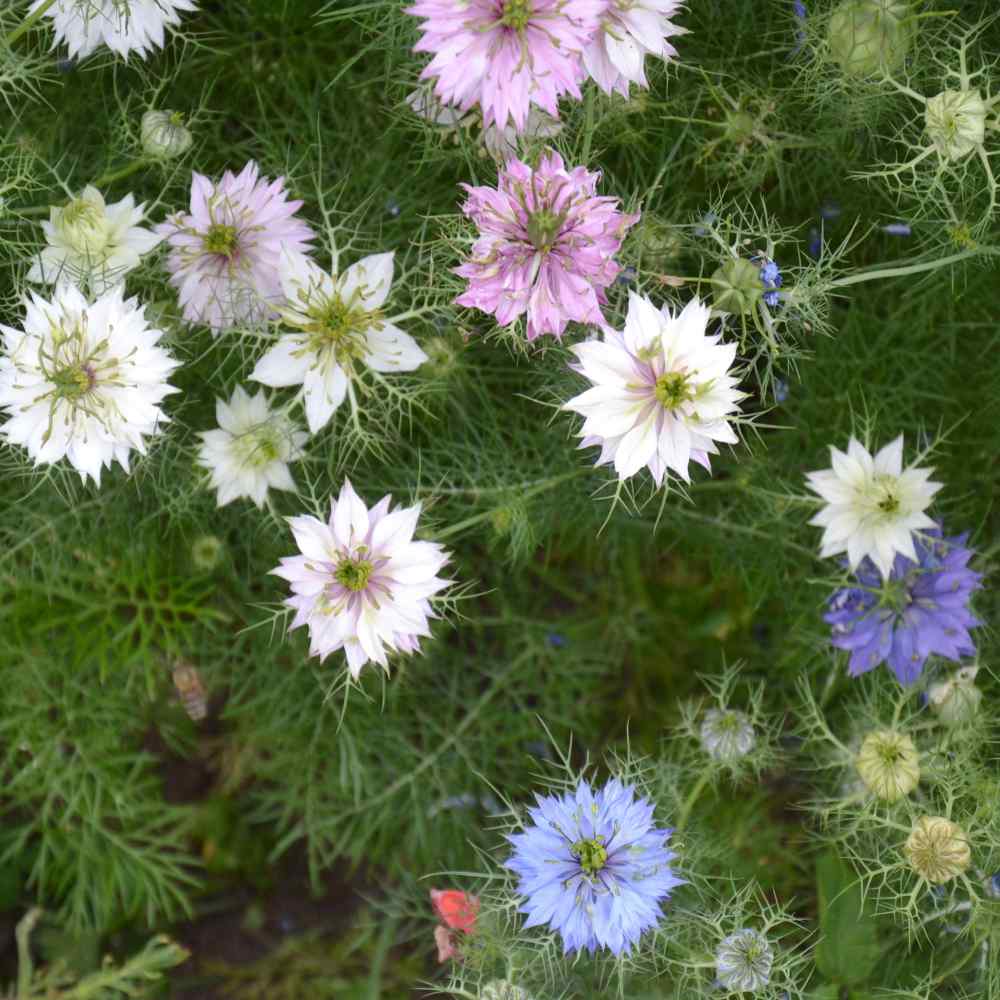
{"x": 815, "y": 242}
{"x": 557, "y": 640}
{"x": 830, "y": 210}
{"x": 709, "y": 219}
{"x": 770, "y": 277}
{"x": 780, "y": 390}
{"x": 799, "y": 7}
{"x": 392, "y": 207}
{"x": 922, "y": 609}
{"x": 627, "y": 276}
{"x": 592, "y": 867}
{"x": 898, "y": 229}
{"x": 993, "y": 886}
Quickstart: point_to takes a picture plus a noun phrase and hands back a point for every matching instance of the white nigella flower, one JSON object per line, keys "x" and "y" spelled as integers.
{"x": 91, "y": 243}
{"x": 250, "y": 451}
{"x": 361, "y": 583}
{"x": 727, "y": 734}
{"x": 872, "y": 504}
{"x": 340, "y": 327}
{"x": 124, "y": 26}
{"x": 629, "y": 31}
{"x": 83, "y": 381}
{"x": 956, "y": 122}
{"x": 743, "y": 961}
{"x": 661, "y": 391}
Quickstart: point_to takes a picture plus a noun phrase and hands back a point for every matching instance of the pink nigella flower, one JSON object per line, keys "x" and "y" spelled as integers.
{"x": 546, "y": 246}
{"x": 224, "y": 255}
{"x": 506, "y": 54}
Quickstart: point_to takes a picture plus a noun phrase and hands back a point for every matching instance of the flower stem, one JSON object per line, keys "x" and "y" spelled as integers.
{"x": 873, "y": 274}
{"x": 26, "y": 25}
{"x": 690, "y": 801}
{"x": 540, "y": 487}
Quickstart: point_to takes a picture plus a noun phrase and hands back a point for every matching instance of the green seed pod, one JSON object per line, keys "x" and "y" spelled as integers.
{"x": 867, "y": 36}
{"x": 207, "y": 552}
{"x": 164, "y": 135}
{"x": 503, "y": 989}
{"x": 736, "y": 286}
{"x": 956, "y": 700}
{"x": 937, "y": 849}
{"x": 889, "y": 764}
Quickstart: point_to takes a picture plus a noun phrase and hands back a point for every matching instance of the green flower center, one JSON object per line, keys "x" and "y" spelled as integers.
{"x": 353, "y": 574}
{"x": 543, "y": 228}
{"x": 672, "y": 389}
{"x": 516, "y": 14}
{"x": 73, "y": 381}
{"x": 258, "y": 447}
{"x": 220, "y": 239}
{"x": 339, "y": 326}
{"x": 591, "y": 854}
{"x": 84, "y": 226}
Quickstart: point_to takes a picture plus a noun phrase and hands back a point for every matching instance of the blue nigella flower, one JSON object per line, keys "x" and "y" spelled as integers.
{"x": 815, "y": 242}
{"x": 780, "y": 390}
{"x": 557, "y": 639}
{"x": 922, "y": 609}
{"x": 898, "y": 229}
{"x": 830, "y": 210}
{"x": 592, "y": 867}
{"x": 770, "y": 277}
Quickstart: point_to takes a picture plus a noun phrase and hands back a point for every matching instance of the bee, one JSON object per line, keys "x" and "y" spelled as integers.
{"x": 190, "y": 690}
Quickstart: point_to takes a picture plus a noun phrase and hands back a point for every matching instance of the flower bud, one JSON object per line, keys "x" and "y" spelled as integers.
{"x": 503, "y": 989}
{"x": 867, "y": 36}
{"x": 956, "y": 700}
{"x": 937, "y": 849}
{"x": 889, "y": 764}
{"x": 743, "y": 961}
{"x": 164, "y": 135}
{"x": 955, "y": 121}
{"x": 736, "y": 286}
{"x": 727, "y": 734}
{"x": 206, "y": 552}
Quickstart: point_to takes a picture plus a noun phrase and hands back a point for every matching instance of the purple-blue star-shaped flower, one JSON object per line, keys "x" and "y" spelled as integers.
{"x": 922, "y": 609}
{"x": 770, "y": 278}
{"x": 593, "y": 867}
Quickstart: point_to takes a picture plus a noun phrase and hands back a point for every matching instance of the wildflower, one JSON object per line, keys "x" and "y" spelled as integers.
{"x": 889, "y": 764}
{"x": 921, "y": 609}
{"x": 83, "y": 381}
{"x": 937, "y": 849}
{"x": 770, "y": 278}
{"x": 164, "y": 135}
{"x": 727, "y": 734}
{"x": 592, "y": 867}
{"x": 505, "y": 55}
{"x": 340, "y": 327}
{"x": 546, "y": 246}
{"x": 957, "y": 699}
{"x": 872, "y": 504}
{"x": 250, "y": 451}
{"x": 661, "y": 391}
{"x": 361, "y": 583}
{"x": 207, "y": 552}
{"x": 124, "y": 27}
{"x": 956, "y": 122}
{"x": 898, "y": 229}
{"x": 458, "y": 912}
{"x": 627, "y": 33}
{"x": 224, "y": 254}
{"x": 743, "y": 961}
{"x": 91, "y": 243}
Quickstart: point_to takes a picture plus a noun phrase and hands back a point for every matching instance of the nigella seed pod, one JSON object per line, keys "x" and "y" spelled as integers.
{"x": 889, "y": 764}
{"x": 736, "y": 287}
{"x": 503, "y": 989}
{"x": 726, "y": 734}
{"x": 937, "y": 849}
{"x": 867, "y": 36}
{"x": 164, "y": 135}
{"x": 956, "y": 700}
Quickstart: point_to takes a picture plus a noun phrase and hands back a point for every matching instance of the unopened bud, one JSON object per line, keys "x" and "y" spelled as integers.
{"x": 889, "y": 764}
{"x": 206, "y": 552}
{"x": 937, "y": 849}
{"x": 164, "y": 135}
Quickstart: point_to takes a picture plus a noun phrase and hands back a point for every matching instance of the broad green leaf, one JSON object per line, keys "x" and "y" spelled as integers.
{"x": 848, "y": 947}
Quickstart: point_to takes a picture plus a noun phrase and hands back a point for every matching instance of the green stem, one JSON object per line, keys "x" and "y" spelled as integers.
{"x": 873, "y": 274}
{"x": 541, "y": 487}
{"x": 588, "y": 128}
{"x": 25, "y": 969}
{"x": 106, "y": 178}
{"x": 690, "y": 801}
{"x": 26, "y": 25}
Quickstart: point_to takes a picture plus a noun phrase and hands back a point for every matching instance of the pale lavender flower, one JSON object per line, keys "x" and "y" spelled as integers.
{"x": 224, "y": 253}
